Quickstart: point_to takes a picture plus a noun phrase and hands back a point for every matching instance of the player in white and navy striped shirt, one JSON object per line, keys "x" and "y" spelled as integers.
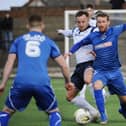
{"x": 83, "y": 71}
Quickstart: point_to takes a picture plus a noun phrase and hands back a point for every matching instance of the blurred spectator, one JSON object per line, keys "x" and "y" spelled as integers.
{"x": 1, "y": 38}
{"x": 117, "y": 4}
{"x": 8, "y": 30}
{"x": 84, "y": 3}
{"x": 97, "y": 2}
{"x": 90, "y": 10}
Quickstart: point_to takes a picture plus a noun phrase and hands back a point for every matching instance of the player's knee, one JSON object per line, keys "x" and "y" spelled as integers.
{"x": 88, "y": 75}
{"x": 88, "y": 81}
{"x": 122, "y": 99}
{"x": 98, "y": 85}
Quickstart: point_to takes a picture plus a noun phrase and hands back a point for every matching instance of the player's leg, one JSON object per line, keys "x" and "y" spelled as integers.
{"x": 82, "y": 103}
{"x": 78, "y": 100}
{"x": 118, "y": 87}
{"x": 82, "y": 93}
{"x": 17, "y": 100}
{"x": 46, "y": 100}
{"x": 122, "y": 109}
{"x": 88, "y": 74}
{"x": 98, "y": 81}
{"x": 5, "y": 115}
{"x": 85, "y": 73}
{"x": 54, "y": 117}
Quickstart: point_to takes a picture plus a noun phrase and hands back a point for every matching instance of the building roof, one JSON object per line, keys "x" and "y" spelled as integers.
{"x": 35, "y": 3}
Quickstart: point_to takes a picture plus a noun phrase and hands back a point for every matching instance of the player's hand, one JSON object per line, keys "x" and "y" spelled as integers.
{"x": 60, "y": 31}
{"x": 2, "y": 87}
{"x": 66, "y": 55}
{"x": 93, "y": 53}
{"x": 69, "y": 86}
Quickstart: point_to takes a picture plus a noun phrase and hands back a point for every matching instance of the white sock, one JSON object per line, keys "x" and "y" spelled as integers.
{"x": 83, "y": 91}
{"x": 91, "y": 90}
{"x": 105, "y": 94}
{"x": 83, "y": 103}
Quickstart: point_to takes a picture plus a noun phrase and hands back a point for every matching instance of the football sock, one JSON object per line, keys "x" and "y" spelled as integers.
{"x": 4, "y": 118}
{"x": 55, "y": 119}
{"x": 100, "y": 104}
{"x": 83, "y": 103}
{"x": 105, "y": 94}
{"x": 83, "y": 91}
{"x": 123, "y": 107}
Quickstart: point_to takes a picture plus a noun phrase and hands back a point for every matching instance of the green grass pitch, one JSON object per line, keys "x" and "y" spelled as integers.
{"x": 32, "y": 117}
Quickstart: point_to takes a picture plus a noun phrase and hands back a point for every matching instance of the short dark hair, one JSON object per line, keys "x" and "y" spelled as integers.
{"x": 98, "y": 12}
{"x": 80, "y": 13}
{"x": 90, "y": 6}
{"x": 103, "y": 15}
{"x": 34, "y": 20}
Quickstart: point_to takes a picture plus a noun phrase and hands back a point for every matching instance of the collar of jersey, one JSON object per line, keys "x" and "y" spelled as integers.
{"x": 35, "y": 32}
{"x": 85, "y": 28}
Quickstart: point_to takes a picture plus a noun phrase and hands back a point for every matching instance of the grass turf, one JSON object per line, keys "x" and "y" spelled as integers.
{"x": 32, "y": 117}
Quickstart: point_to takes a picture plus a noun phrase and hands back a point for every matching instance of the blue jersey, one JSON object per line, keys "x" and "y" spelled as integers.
{"x": 33, "y": 51}
{"x": 105, "y": 46}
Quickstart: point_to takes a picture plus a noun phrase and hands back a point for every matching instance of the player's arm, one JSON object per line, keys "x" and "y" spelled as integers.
{"x": 78, "y": 45}
{"x": 118, "y": 29}
{"x": 64, "y": 68}
{"x": 56, "y": 55}
{"x": 7, "y": 70}
{"x": 66, "y": 33}
{"x": 123, "y": 27}
{"x": 65, "y": 71}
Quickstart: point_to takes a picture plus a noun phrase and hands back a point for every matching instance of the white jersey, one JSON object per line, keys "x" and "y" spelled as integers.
{"x": 83, "y": 54}
{"x": 92, "y": 22}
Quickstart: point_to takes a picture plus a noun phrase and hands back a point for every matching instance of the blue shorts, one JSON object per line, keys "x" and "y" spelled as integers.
{"x": 113, "y": 79}
{"x": 21, "y": 94}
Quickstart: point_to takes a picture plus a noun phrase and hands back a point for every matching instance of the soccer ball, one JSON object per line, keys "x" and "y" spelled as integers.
{"x": 82, "y": 116}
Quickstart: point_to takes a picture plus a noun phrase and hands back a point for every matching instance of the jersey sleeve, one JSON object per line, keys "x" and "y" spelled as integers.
{"x": 13, "y": 48}
{"x": 55, "y": 51}
{"x": 78, "y": 45}
{"x": 67, "y": 33}
{"x": 118, "y": 29}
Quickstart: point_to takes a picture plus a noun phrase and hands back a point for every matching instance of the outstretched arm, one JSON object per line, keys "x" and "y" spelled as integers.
{"x": 76, "y": 46}
{"x": 66, "y": 33}
{"x": 118, "y": 29}
{"x": 7, "y": 71}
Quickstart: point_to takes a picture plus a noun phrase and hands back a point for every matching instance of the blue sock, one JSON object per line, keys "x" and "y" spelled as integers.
{"x": 122, "y": 109}
{"x": 123, "y": 106}
{"x": 100, "y": 104}
{"x": 55, "y": 119}
{"x": 4, "y": 118}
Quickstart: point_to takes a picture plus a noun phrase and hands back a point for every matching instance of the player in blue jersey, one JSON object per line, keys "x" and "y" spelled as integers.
{"x": 32, "y": 50}
{"x": 106, "y": 65}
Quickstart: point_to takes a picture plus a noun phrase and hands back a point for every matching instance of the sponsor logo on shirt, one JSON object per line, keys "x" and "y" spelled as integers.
{"x": 103, "y": 45}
